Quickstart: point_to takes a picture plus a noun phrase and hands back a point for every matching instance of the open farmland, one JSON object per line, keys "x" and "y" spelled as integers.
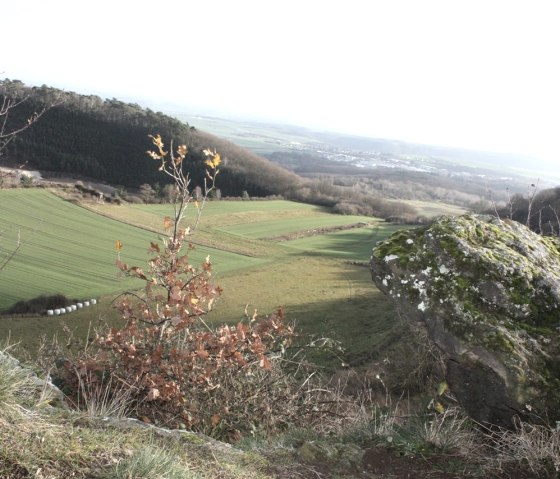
{"x": 312, "y": 269}
{"x": 351, "y": 244}
{"x": 70, "y": 250}
{"x": 312, "y": 276}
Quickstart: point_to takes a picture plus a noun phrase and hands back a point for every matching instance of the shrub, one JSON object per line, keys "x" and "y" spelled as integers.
{"x": 39, "y": 304}
{"x": 170, "y": 359}
{"x": 533, "y": 448}
{"x": 345, "y": 208}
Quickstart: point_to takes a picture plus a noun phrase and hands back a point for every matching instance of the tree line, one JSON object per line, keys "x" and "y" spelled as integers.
{"x": 539, "y": 210}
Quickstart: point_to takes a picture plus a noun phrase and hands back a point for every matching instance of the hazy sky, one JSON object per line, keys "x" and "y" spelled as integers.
{"x": 480, "y": 74}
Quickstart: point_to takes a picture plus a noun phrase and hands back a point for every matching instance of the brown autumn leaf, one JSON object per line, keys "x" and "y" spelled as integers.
{"x": 242, "y": 331}
{"x": 122, "y": 266}
{"x": 215, "y": 420}
{"x": 153, "y": 155}
{"x": 167, "y": 222}
{"x": 156, "y": 355}
{"x": 138, "y": 272}
{"x": 202, "y": 353}
{"x": 265, "y": 363}
{"x": 182, "y": 150}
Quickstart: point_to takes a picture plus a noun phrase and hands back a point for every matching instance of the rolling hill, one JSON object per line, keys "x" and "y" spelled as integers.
{"x": 106, "y": 140}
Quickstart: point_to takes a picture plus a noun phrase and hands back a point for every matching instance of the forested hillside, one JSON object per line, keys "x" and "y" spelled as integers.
{"x": 107, "y": 140}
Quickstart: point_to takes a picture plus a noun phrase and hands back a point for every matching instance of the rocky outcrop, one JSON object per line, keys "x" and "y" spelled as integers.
{"x": 25, "y": 382}
{"x": 488, "y": 292}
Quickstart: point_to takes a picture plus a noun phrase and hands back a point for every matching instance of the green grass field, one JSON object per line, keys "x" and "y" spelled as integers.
{"x": 71, "y": 250}
{"x": 431, "y": 209}
{"x": 258, "y": 137}
{"x": 353, "y": 244}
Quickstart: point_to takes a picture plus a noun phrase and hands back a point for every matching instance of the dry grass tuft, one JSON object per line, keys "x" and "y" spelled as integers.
{"x": 450, "y": 431}
{"x": 149, "y": 462}
{"x": 103, "y": 398}
{"x": 532, "y": 447}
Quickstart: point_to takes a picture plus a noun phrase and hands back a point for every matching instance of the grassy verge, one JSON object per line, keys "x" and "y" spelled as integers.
{"x": 368, "y": 436}
{"x": 38, "y": 440}
{"x": 324, "y": 297}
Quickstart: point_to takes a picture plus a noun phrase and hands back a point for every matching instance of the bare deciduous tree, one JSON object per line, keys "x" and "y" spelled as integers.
{"x": 7, "y": 104}
{"x": 7, "y": 134}
{"x": 557, "y": 220}
{"x": 530, "y": 197}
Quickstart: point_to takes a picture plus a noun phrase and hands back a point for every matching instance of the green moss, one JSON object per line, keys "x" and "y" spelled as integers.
{"x": 450, "y": 246}
{"x": 553, "y": 246}
{"x": 397, "y": 245}
{"x": 497, "y": 341}
{"x": 471, "y": 309}
{"x": 519, "y": 292}
{"x": 536, "y": 330}
{"x": 461, "y": 283}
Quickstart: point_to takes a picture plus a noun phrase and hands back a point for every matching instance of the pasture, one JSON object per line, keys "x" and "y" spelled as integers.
{"x": 319, "y": 279}
{"x": 70, "y": 250}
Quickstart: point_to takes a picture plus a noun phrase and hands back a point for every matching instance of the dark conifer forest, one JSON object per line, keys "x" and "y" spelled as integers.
{"x": 106, "y": 140}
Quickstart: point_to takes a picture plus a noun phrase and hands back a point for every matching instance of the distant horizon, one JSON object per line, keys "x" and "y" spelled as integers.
{"x": 238, "y": 116}
{"x": 170, "y": 108}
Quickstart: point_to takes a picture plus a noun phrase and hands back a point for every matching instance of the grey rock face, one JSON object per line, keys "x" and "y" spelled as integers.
{"x": 30, "y": 384}
{"x": 488, "y": 292}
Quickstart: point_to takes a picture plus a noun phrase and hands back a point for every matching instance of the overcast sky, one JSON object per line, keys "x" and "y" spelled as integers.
{"x": 479, "y": 74}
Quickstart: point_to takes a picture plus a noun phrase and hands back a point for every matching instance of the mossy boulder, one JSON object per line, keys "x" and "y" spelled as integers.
{"x": 488, "y": 292}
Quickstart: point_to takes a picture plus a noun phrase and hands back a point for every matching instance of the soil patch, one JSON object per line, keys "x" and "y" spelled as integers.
{"x": 381, "y": 462}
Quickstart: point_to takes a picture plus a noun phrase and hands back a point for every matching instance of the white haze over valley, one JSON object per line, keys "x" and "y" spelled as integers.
{"x": 480, "y": 74}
